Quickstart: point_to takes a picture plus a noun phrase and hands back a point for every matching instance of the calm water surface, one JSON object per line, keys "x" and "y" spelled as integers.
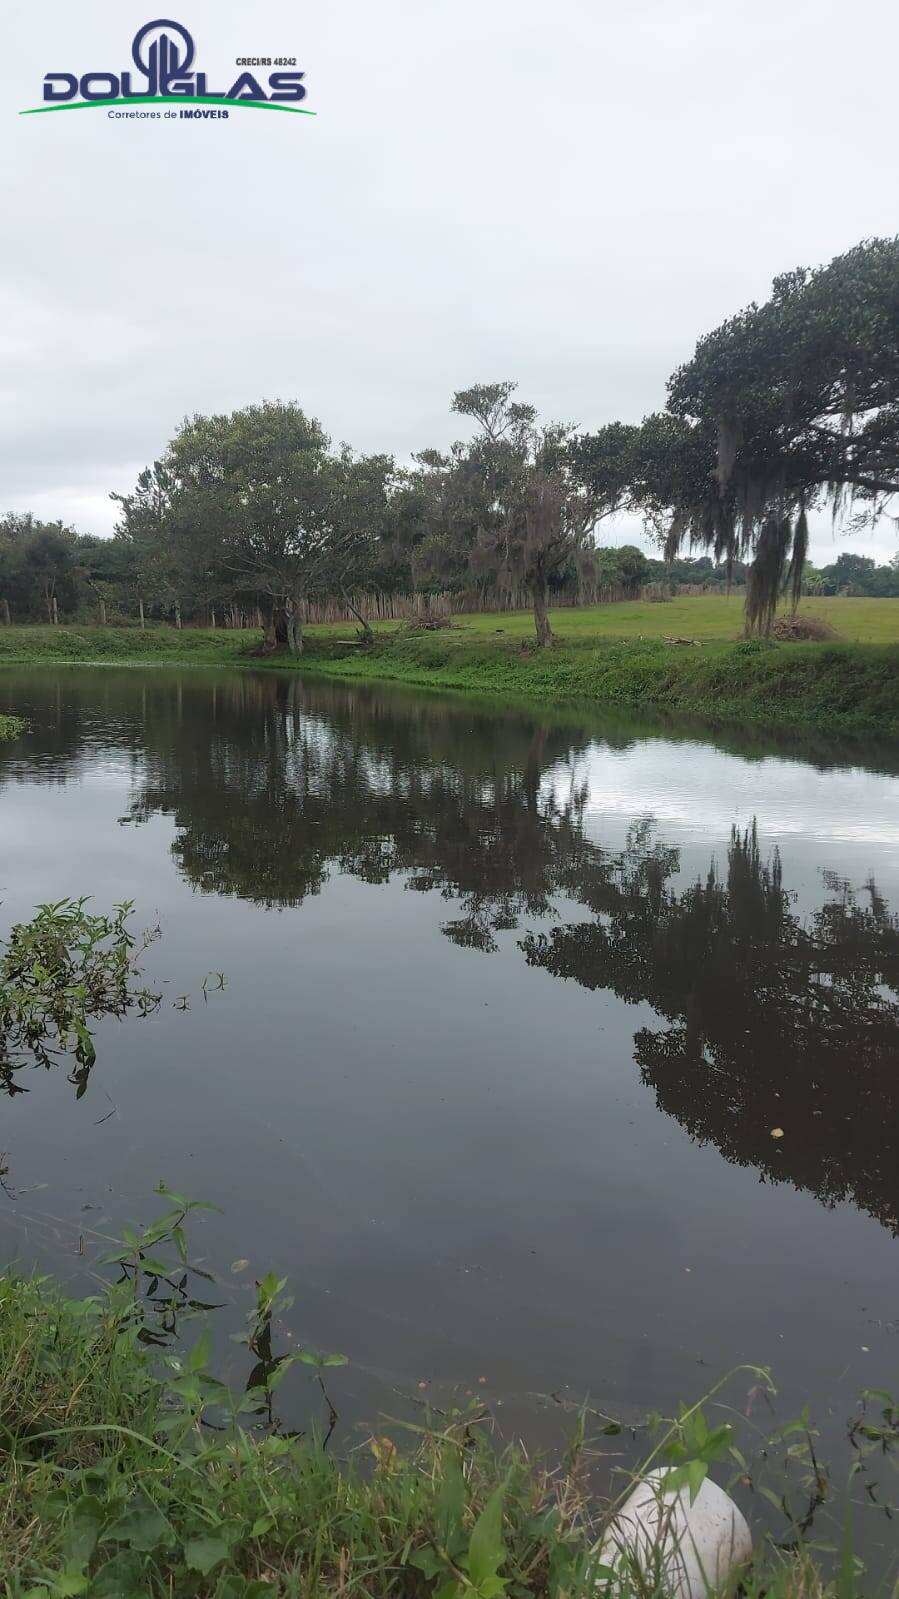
{"x": 512, "y": 1008}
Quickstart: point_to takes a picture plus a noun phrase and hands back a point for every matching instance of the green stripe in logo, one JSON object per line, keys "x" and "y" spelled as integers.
{"x": 168, "y": 99}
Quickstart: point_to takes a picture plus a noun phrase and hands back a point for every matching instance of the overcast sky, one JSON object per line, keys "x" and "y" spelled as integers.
{"x": 568, "y": 194}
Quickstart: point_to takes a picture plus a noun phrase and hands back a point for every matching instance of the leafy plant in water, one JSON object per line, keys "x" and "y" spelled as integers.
{"x": 152, "y": 1290}
{"x": 60, "y": 971}
{"x": 270, "y": 1368}
{"x": 692, "y": 1449}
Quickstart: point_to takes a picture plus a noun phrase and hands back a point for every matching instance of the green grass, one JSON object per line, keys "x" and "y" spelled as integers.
{"x": 616, "y": 655}
{"x": 111, "y": 1484}
{"x": 707, "y": 617}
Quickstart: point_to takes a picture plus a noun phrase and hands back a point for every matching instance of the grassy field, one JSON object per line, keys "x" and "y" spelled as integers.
{"x": 707, "y": 617}
{"x": 685, "y": 656}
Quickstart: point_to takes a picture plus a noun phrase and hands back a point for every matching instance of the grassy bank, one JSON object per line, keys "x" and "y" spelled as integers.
{"x": 125, "y": 1474}
{"x": 850, "y": 689}
{"x": 683, "y": 657}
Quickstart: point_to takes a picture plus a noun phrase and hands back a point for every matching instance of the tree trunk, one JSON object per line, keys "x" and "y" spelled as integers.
{"x": 294, "y": 626}
{"x": 368, "y": 636}
{"x": 541, "y": 618}
{"x": 178, "y": 614}
{"x": 140, "y": 612}
{"x": 212, "y": 616}
{"x": 54, "y": 612}
{"x": 102, "y": 606}
{"x": 4, "y": 605}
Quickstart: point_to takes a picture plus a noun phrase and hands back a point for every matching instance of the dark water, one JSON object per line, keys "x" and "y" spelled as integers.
{"x": 512, "y": 1008}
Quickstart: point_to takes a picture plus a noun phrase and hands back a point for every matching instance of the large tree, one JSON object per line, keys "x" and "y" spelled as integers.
{"x": 797, "y": 403}
{"x": 786, "y": 407}
{"x": 258, "y": 503}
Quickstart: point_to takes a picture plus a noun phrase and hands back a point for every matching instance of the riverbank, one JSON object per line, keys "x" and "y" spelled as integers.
{"x": 833, "y": 688}
{"x": 111, "y": 1485}
{"x": 840, "y": 689}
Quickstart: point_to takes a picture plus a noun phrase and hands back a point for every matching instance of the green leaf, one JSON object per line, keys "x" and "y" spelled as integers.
{"x": 451, "y": 1501}
{"x": 231, "y": 1586}
{"x": 152, "y": 1267}
{"x": 486, "y": 1551}
{"x": 717, "y": 1442}
{"x": 203, "y": 1554}
{"x": 198, "y": 1359}
{"x": 70, "y": 1583}
{"x": 187, "y": 1388}
{"x": 697, "y": 1471}
{"x": 85, "y": 1526}
{"x": 161, "y": 1227}
{"x": 771, "y": 1496}
{"x": 268, "y": 1287}
{"x": 143, "y": 1528}
{"x": 121, "y": 1578}
{"x": 427, "y": 1561}
{"x": 261, "y": 1526}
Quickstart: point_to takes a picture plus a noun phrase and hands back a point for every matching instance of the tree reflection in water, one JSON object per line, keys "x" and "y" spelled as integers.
{"x": 773, "y": 1019}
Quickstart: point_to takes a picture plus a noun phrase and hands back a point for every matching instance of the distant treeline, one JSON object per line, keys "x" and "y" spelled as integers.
{"x": 50, "y": 573}
{"x": 785, "y": 409}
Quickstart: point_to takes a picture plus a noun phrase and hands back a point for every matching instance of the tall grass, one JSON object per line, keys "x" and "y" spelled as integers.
{"x": 128, "y": 1468}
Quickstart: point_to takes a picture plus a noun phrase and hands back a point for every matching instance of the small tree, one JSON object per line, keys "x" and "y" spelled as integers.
{"x": 39, "y": 565}
{"x": 536, "y": 516}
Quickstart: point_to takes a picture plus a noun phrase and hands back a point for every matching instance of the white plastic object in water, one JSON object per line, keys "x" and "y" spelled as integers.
{"x": 696, "y": 1545}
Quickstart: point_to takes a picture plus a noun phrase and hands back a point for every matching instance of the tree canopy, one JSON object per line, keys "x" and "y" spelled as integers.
{"x": 788, "y": 407}
{"x": 784, "y": 408}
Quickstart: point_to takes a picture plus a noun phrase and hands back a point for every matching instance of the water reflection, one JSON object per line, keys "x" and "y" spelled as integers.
{"x": 777, "y": 1021}
{"x": 775, "y": 1018}
{"x": 771, "y": 1016}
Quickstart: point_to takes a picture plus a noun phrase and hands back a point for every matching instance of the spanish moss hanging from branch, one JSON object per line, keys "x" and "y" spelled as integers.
{"x": 786, "y": 408}
{"x": 765, "y": 578}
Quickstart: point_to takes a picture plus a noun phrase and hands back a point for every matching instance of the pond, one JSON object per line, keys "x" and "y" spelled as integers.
{"x": 556, "y": 1057}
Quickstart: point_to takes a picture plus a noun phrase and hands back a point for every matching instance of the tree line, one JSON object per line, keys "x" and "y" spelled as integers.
{"x": 785, "y": 408}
